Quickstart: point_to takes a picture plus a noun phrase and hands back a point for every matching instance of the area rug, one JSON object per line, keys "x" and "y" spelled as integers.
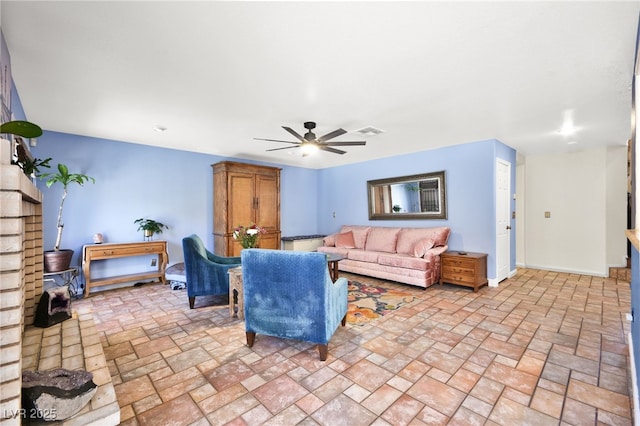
{"x": 367, "y": 303}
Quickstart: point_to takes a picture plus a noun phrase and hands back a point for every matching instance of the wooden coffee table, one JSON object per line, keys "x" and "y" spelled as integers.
{"x": 332, "y": 262}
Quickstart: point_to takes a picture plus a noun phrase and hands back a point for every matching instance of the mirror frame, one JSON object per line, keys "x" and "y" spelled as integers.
{"x": 442, "y": 192}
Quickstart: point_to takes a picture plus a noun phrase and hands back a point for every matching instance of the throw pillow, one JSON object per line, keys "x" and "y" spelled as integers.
{"x": 345, "y": 240}
{"x": 420, "y": 248}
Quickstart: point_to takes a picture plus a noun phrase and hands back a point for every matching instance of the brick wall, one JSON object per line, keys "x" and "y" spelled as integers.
{"x": 21, "y": 269}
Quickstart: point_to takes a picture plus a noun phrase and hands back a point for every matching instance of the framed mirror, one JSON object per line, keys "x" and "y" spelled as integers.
{"x": 408, "y": 197}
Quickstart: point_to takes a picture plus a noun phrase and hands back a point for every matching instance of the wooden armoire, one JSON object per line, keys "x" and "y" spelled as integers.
{"x": 244, "y": 194}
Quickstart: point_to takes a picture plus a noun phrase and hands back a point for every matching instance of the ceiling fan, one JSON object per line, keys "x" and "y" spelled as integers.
{"x": 309, "y": 142}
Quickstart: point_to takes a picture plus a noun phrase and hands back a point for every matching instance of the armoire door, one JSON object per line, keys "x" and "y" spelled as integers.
{"x": 267, "y": 213}
{"x": 242, "y": 192}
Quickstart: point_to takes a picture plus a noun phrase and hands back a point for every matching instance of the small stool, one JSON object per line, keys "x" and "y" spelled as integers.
{"x": 175, "y": 276}
{"x": 235, "y": 292}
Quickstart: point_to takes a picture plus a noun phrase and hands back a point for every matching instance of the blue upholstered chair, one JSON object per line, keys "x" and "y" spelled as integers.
{"x": 290, "y": 294}
{"x": 206, "y": 273}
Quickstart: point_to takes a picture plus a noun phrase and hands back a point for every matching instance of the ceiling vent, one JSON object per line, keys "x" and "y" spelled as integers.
{"x": 369, "y": 131}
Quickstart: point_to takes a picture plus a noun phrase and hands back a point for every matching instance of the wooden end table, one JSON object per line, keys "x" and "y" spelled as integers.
{"x": 464, "y": 268}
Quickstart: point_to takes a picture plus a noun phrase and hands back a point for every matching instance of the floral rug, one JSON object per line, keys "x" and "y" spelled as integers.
{"x": 367, "y": 303}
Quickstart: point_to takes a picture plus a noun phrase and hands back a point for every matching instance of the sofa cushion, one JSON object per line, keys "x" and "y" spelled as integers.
{"x": 421, "y": 247}
{"x": 382, "y": 239}
{"x": 363, "y": 255}
{"x": 336, "y": 250}
{"x": 408, "y": 237}
{"x": 403, "y": 261}
{"x": 359, "y": 233}
{"x": 345, "y": 240}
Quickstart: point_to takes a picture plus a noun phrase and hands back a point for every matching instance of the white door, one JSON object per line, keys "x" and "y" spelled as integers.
{"x": 503, "y": 221}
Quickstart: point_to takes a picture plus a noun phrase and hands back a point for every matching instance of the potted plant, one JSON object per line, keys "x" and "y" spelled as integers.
{"x": 248, "y": 236}
{"x": 59, "y": 259}
{"x": 31, "y": 168}
{"x": 150, "y": 227}
{"x": 396, "y": 208}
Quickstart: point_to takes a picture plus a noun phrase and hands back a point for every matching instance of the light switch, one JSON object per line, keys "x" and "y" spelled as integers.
{"x": 547, "y": 215}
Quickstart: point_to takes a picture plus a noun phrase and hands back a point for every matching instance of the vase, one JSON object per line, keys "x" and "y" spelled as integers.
{"x": 57, "y": 260}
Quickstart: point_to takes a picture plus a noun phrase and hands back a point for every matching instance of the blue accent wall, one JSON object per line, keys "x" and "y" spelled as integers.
{"x": 635, "y": 307}
{"x": 470, "y": 184}
{"x": 132, "y": 181}
{"x": 175, "y": 187}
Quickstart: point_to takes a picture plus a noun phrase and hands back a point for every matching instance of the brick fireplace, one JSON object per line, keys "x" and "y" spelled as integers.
{"x": 21, "y": 269}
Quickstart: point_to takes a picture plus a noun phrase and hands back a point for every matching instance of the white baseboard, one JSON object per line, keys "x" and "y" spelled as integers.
{"x": 493, "y": 282}
{"x": 568, "y": 270}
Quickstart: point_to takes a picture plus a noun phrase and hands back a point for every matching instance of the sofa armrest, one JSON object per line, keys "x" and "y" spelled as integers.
{"x": 436, "y": 251}
{"x": 329, "y": 240}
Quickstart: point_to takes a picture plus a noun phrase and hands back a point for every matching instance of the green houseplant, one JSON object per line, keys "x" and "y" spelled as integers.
{"x": 59, "y": 259}
{"x": 150, "y": 227}
{"x": 32, "y": 167}
{"x": 248, "y": 236}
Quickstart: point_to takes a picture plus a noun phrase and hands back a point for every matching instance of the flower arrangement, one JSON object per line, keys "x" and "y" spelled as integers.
{"x": 248, "y": 235}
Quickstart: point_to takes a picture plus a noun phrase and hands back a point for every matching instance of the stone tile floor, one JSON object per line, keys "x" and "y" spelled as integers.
{"x": 544, "y": 348}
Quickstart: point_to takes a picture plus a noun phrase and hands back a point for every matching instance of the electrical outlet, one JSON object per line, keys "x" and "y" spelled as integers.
{"x": 153, "y": 262}
{"x": 547, "y": 214}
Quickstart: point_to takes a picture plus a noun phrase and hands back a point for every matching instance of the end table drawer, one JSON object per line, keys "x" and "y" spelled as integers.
{"x": 460, "y": 278}
{"x": 459, "y": 261}
{"x": 124, "y": 250}
{"x": 449, "y": 270}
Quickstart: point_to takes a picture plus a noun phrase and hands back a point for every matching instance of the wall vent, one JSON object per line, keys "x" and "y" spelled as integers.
{"x": 369, "y": 131}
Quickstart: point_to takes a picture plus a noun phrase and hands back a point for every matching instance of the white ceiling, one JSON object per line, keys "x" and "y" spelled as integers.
{"x": 430, "y": 74}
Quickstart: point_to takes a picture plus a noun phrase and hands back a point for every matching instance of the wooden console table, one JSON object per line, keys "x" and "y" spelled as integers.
{"x": 93, "y": 252}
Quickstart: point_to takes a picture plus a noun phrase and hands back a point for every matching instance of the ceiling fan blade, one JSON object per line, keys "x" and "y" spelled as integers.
{"x": 335, "y": 151}
{"x": 294, "y": 133}
{"x": 331, "y": 135}
{"x": 346, "y": 143}
{"x": 276, "y": 140}
{"x": 286, "y": 147}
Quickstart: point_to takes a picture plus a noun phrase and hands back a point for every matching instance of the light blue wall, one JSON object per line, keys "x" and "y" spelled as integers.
{"x": 470, "y": 179}
{"x": 171, "y": 186}
{"x": 635, "y": 308}
{"x": 175, "y": 187}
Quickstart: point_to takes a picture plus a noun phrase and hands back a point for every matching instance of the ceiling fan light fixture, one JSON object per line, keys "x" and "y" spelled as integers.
{"x": 310, "y": 143}
{"x": 308, "y": 148}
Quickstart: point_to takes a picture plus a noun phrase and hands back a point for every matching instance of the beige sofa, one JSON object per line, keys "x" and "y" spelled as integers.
{"x": 406, "y": 255}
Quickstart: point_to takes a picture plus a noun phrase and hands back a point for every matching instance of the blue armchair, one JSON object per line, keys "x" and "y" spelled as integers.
{"x": 290, "y": 294}
{"x": 206, "y": 273}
